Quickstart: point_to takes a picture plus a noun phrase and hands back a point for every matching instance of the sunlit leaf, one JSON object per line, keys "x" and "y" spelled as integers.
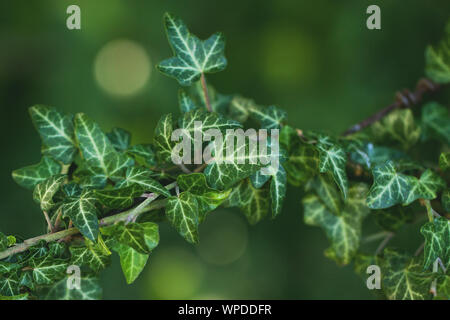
{"x": 438, "y": 60}
{"x": 426, "y": 187}
{"x": 28, "y": 177}
{"x": 192, "y": 55}
{"x": 437, "y": 241}
{"x": 162, "y": 138}
{"x": 182, "y": 212}
{"x": 44, "y": 191}
{"x": 90, "y": 289}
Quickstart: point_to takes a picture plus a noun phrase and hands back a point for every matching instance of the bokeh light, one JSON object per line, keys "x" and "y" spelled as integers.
{"x": 175, "y": 273}
{"x": 122, "y": 67}
{"x": 224, "y": 238}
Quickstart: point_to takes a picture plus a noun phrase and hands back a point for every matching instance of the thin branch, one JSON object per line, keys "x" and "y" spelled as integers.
{"x": 404, "y": 99}
{"x": 200, "y": 168}
{"x": 50, "y": 237}
{"x": 375, "y": 236}
{"x": 419, "y": 249}
{"x": 205, "y": 92}
{"x": 49, "y": 223}
{"x": 384, "y": 243}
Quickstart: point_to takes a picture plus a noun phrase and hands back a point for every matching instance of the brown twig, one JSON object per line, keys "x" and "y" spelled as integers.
{"x": 404, "y": 99}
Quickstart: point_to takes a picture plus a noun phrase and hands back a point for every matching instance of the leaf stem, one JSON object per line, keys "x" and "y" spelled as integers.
{"x": 205, "y": 92}
{"x": 384, "y": 243}
{"x": 50, "y": 237}
{"x": 375, "y": 236}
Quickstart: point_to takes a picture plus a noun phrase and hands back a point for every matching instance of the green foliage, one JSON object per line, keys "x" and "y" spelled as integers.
{"x": 101, "y": 193}
{"x": 438, "y": 60}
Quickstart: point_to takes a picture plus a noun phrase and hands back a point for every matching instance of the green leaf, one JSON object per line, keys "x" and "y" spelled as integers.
{"x": 278, "y": 187}
{"x": 208, "y": 199}
{"x": 426, "y": 187}
{"x": 438, "y": 60}
{"x": 90, "y": 289}
{"x": 120, "y": 198}
{"x": 343, "y": 231}
{"x": 3, "y": 242}
{"x": 258, "y": 179}
{"x": 444, "y": 161}
{"x": 91, "y": 255}
{"x": 253, "y": 202}
{"x": 47, "y": 270}
{"x": 403, "y": 278}
{"x": 209, "y": 120}
{"x": 143, "y": 154}
{"x": 143, "y": 237}
{"x": 182, "y": 213}
{"x": 223, "y": 173}
{"x": 389, "y": 187}
{"x": 7, "y": 267}
{"x": 141, "y": 177}
{"x": 162, "y": 138}
{"x": 29, "y": 177}
{"x": 83, "y": 212}
{"x": 270, "y": 117}
{"x": 332, "y": 158}
{"x": 436, "y": 121}
{"x": 131, "y": 261}
{"x": 44, "y": 191}
{"x": 302, "y": 164}
{"x": 325, "y": 188}
{"x": 398, "y": 126}
{"x": 446, "y": 200}
{"x": 192, "y": 55}
{"x": 393, "y": 218}
{"x": 119, "y": 138}
{"x": 97, "y": 150}
{"x": 240, "y": 108}
{"x": 56, "y": 131}
{"x": 218, "y": 102}
{"x": 437, "y": 241}
{"x": 23, "y": 296}
{"x": 185, "y": 102}
{"x": 9, "y": 286}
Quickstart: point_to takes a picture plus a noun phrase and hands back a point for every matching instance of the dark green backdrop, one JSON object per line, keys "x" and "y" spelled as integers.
{"x": 315, "y": 59}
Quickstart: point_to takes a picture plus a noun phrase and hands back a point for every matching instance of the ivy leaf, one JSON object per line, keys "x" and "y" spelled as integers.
{"x": 389, "y": 187}
{"x": 143, "y": 154}
{"x": 97, "y": 150}
{"x": 193, "y": 56}
{"x": 9, "y": 286}
{"x": 141, "y": 177}
{"x": 398, "y": 126}
{"x": 393, "y": 218}
{"x": 131, "y": 261}
{"x": 270, "y": 117}
{"x": 162, "y": 139}
{"x": 44, "y": 191}
{"x": 7, "y": 267}
{"x": 240, "y": 108}
{"x": 343, "y": 231}
{"x": 208, "y": 199}
{"x": 278, "y": 187}
{"x": 438, "y": 60}
{"x": 425, "y": 188}
{"x": 253, "y": 202}
{"x": 444, "y": 161}
{"x": 72, "y": 189}
{"x": 142, "y": 237}
{"x": 209, "y": 120}
{"x": 403, "y": 278}
{"x": 90, "y": 289}
{"x": 302, "y": 164}
{"x": 91, "y": 255}
{"x": 258, "y": 179}
{"x": 83, "y": 212}
{"x": 29, "y": 177}
{"x": 23, "y": 296}
{"x": 47, "y": 270}
{"x": 437, "y": 241}
{"x": 332, "y": 158}
{"x": 56, "y": 131}
{"x": 325, "y": 188}
{"x": 120, "y": 198}
{"x": 436, "y": 121}
{"x": 182, "y": 213}
{"x": 446, "y": 200}
{"x": 233, "y": 167}
{"x": 185, "y": 102}
{"x": 119, "y": 138}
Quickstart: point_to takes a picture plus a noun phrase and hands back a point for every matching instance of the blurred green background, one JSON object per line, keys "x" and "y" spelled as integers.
{"x": 315, "y": 59}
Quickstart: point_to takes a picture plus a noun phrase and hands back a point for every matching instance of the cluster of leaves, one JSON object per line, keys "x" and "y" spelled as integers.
{"x": 99, "y": 193}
